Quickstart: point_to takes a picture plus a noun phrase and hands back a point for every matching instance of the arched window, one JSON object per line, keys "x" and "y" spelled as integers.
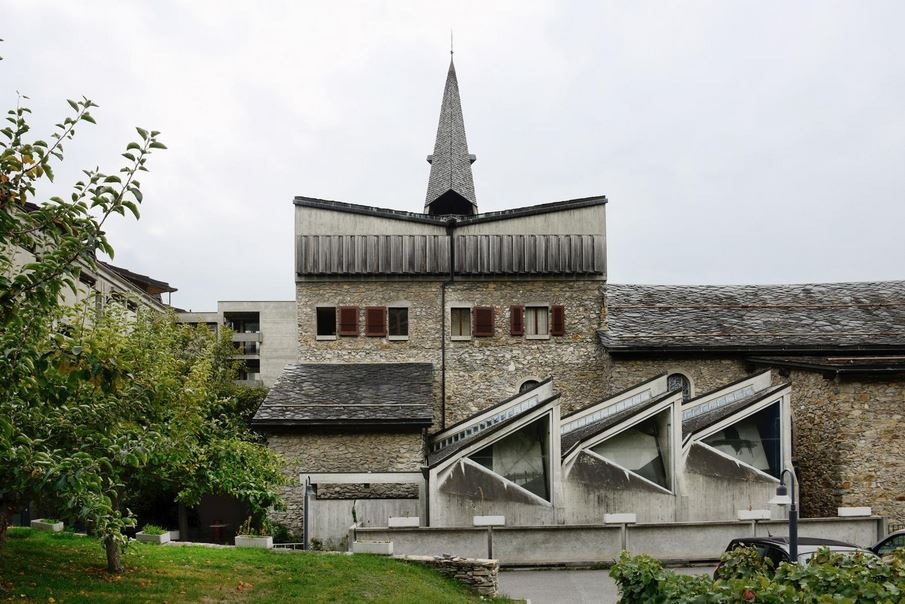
{"x": 678, "y": 381}
{"x": 527, "y": 385}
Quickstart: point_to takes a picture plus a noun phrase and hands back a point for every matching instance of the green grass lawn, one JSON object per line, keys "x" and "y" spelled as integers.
{"x": 61, "y": 567}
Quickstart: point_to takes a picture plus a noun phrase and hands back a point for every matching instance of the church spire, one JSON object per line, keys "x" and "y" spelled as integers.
{"x": 450, "y": 189}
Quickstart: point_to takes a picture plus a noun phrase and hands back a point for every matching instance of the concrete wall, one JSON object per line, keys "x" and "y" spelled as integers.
{"x": 698, "y": 541}
{"x": 331, "y": 518}
{"x": 847, "y": 442}
{"x": 278, "y": 331}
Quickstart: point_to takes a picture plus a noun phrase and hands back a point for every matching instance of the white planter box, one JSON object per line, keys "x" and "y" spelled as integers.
{"x": 158, "y": 539}
{"x": 753, "y": 514}
{"x": 404, "y": 522}
{"x": 174, "y": 535}
{"x": 383, "y": 548}
{"x": 863, "y": 511}
{"x": 489, "y": 521}
{"x": 620, "y": 518}
{"x": 252, "y": 541}
{"x": 42, "y": 525}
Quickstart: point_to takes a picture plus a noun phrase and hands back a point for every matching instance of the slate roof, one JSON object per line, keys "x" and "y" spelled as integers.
{"x": 450, "y": 162}
{"x": 837, "y": 364}
{"x": 437, "y": 457}
{"x": 788, "y": 318}
{"x": 572, "y": 439}
{"x": 705, "y": 420}
{"x": 349, "y": 394}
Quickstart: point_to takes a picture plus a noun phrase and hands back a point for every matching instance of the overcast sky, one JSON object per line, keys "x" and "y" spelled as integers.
{"x": 737, "y": 142}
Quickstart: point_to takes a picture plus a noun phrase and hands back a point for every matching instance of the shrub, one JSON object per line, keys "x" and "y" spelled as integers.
{"x": 152, "y": 529}
{"x": 743, "y": 577}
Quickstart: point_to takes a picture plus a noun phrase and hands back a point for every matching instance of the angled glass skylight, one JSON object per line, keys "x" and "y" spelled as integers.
{"x": 521, "y": 457}
{"x": 607, "y": 411}
{"x": 644, "y": 449}
{"x": 754, "y": 440}
{"x": 716, "y": 403}
{"x": 486, "y": 423}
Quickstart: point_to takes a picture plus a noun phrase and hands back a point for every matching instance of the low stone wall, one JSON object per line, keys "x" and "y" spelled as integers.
{"x": 481, "y": 574}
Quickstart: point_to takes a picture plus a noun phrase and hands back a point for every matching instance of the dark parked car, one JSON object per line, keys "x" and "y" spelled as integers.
{"x": 776, "y": 549}
{"x": 889, "y": 543}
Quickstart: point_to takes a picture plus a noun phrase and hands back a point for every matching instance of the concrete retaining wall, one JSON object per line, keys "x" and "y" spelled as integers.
{"x": 686, "y": 541}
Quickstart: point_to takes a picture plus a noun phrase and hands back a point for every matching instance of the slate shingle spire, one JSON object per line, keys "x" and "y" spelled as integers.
{"x": 450, "y": 189}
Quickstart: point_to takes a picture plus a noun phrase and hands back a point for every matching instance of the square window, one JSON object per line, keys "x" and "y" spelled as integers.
{"x": 460, "y": 323}
{"x": 537, "y": 322}
{"x": 326, "y": 321}
{"x": 399, "y": 322}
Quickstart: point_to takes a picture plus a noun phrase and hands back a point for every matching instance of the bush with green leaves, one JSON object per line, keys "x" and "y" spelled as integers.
{"x": 153, "y": 529}
{"x": 743, "y": 577}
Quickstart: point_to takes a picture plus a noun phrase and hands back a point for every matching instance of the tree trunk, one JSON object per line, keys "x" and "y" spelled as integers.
{"x": 6, "y": 512}
{"x": 114, "y": 555}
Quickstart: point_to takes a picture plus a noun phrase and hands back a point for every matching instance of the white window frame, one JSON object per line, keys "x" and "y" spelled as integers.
{"x": 461, "y": 307}
{"x": 536, "y": 305}
{"x": 319, "y": 337}
{"x": 407, "y": 308}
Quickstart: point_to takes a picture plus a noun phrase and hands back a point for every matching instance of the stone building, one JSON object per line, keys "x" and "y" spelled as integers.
{"x": 453, "y": 363}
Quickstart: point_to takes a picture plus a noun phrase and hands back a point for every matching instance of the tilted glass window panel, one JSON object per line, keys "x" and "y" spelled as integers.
{"x": 643, "y": 449}
{"x": 755, "y": 440}
{"x": 521, "y": 457}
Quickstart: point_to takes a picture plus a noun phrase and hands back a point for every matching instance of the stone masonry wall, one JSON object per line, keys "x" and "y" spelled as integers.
{"x": 850, "y": 443}
{"x": 481, "y": 575}
{"x": 344, "y": 452}
{"x": 481, "y": 371}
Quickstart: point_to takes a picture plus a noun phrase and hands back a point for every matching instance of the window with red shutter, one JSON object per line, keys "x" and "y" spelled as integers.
{"x": 375, "y": 321}
{"x": 558, "y": 320}
{"x": 516, "y": 320}
{"x": 483, "y": 321}
{"x": 348, "y": 320}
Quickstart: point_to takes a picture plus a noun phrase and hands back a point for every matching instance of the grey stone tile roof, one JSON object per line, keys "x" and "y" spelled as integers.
{"x": 705, "y": 420}
{"x": 572, "y": 439}
{"x": 349, "y": 394}
{"x": 820, "y": 316}
{"x": 867, "y": 364}
{"x": 450, "y": 162}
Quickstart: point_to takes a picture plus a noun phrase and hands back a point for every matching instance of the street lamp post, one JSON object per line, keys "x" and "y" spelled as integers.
{"x": 793, "y": 514}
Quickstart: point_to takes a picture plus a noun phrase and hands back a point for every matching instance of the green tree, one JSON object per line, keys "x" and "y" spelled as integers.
{"x": 95, "y": 409}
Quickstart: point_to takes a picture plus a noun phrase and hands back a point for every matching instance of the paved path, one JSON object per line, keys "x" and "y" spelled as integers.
{"x": 570, "y": 586}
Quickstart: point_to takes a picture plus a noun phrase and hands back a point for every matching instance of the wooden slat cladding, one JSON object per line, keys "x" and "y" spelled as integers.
{"x": 429, "y": 254}
{"x": 516, "y": 320}
{"x": 348, "y": 320}
{"x": 483, "y": 321}
{"x": 375, "y": 321}
{"x": 557, "y": 320}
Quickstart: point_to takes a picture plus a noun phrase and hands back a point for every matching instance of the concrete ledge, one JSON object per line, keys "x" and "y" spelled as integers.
{"x": 403, "y": 522}
{"x": 754, "y": 514}
{"x": 381, "y": 548}
{"x": 853, "y": 511}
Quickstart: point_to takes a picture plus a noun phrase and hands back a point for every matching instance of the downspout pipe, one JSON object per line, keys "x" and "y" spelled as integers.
{"x": 450, "y": 233}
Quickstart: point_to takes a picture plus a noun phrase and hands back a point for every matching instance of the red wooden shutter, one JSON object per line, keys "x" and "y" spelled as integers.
{"x": 483, "y": 321}
{"x": 558, "y": 320}
{"x": 375, "y": 321}
{"x": 348, "y": 320}
{"x": 516, "y": 320}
